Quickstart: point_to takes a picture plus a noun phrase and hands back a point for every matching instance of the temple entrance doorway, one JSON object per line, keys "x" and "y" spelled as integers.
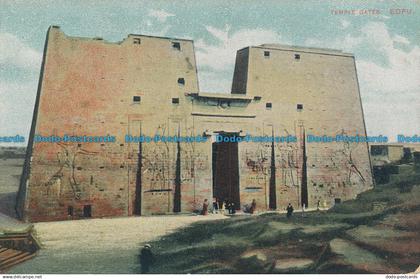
{"x": 225, "y": 165}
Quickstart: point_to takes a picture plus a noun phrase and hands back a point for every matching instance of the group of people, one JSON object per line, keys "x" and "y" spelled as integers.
{"x": 230, "y": 206}
{"x": 218, "y": 207}
{"x": 221, "y": 207}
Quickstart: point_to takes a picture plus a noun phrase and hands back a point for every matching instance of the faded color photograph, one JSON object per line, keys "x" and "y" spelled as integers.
{"x": 210, "y": 137}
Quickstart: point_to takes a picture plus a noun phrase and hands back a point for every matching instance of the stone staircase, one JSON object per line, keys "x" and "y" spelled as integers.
{"x": 15, "y": 249}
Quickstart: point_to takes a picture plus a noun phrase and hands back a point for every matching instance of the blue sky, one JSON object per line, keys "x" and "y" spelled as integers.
{"x": 386, "y": 46}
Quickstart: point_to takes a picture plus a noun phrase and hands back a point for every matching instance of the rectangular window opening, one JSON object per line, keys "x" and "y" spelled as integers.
{"x": 136, "y": 41}
{"x": 268, "y": 105}
{"x": 297, "y": 56}
{"x": 299, "y": 107}
{"x": 175, "y": 100}
{"x": 266, "y": 54}
{"x": 181, "y": 81}
{"x": 176, "y": 45}
{"x": 136, "y": 99}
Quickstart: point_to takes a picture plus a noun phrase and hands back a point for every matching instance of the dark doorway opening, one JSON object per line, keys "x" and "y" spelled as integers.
{"x": 87, "y": 211}
{"x": 226, "y": 171}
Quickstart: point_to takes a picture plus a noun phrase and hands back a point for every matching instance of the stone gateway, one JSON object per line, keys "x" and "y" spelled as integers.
{"x": 147, "y": 86}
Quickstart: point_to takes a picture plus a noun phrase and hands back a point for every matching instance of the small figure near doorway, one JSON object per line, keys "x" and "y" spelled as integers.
{"x": 215, "y": 206}
{"x": 146, "y": 258}
{"x": 227, "y": 206}
{"x": 303, "y": 210}
{"x": 253, "y": 206}
{"x": 318, "y": 205}
{"x": 289, "y": 211}
{"x": 205, "y": 210}
{"x": 222, "y": 207}
{"x": 231, "y": 207}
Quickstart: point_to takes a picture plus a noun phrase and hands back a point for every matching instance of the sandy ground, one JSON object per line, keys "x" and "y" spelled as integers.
{"x": 84, "y": 246}
{"x": 99, "y": 245}
{"x": 8, "y": 224}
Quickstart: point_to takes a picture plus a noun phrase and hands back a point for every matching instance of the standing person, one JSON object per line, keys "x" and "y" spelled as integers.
{"x": 215, "y": 206}
{"x": 253, "y": 206}
{"x": 222, "y": 207}
{"x": 289, "y": 211}
{"x": 146, "y": 258}
{"x": 205, "y": 209}
{"x": 232, "y": 208}
{"x": 227, "y": 206}
{"x": 318, "y": 205}
{"x": 303, "y": 210}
